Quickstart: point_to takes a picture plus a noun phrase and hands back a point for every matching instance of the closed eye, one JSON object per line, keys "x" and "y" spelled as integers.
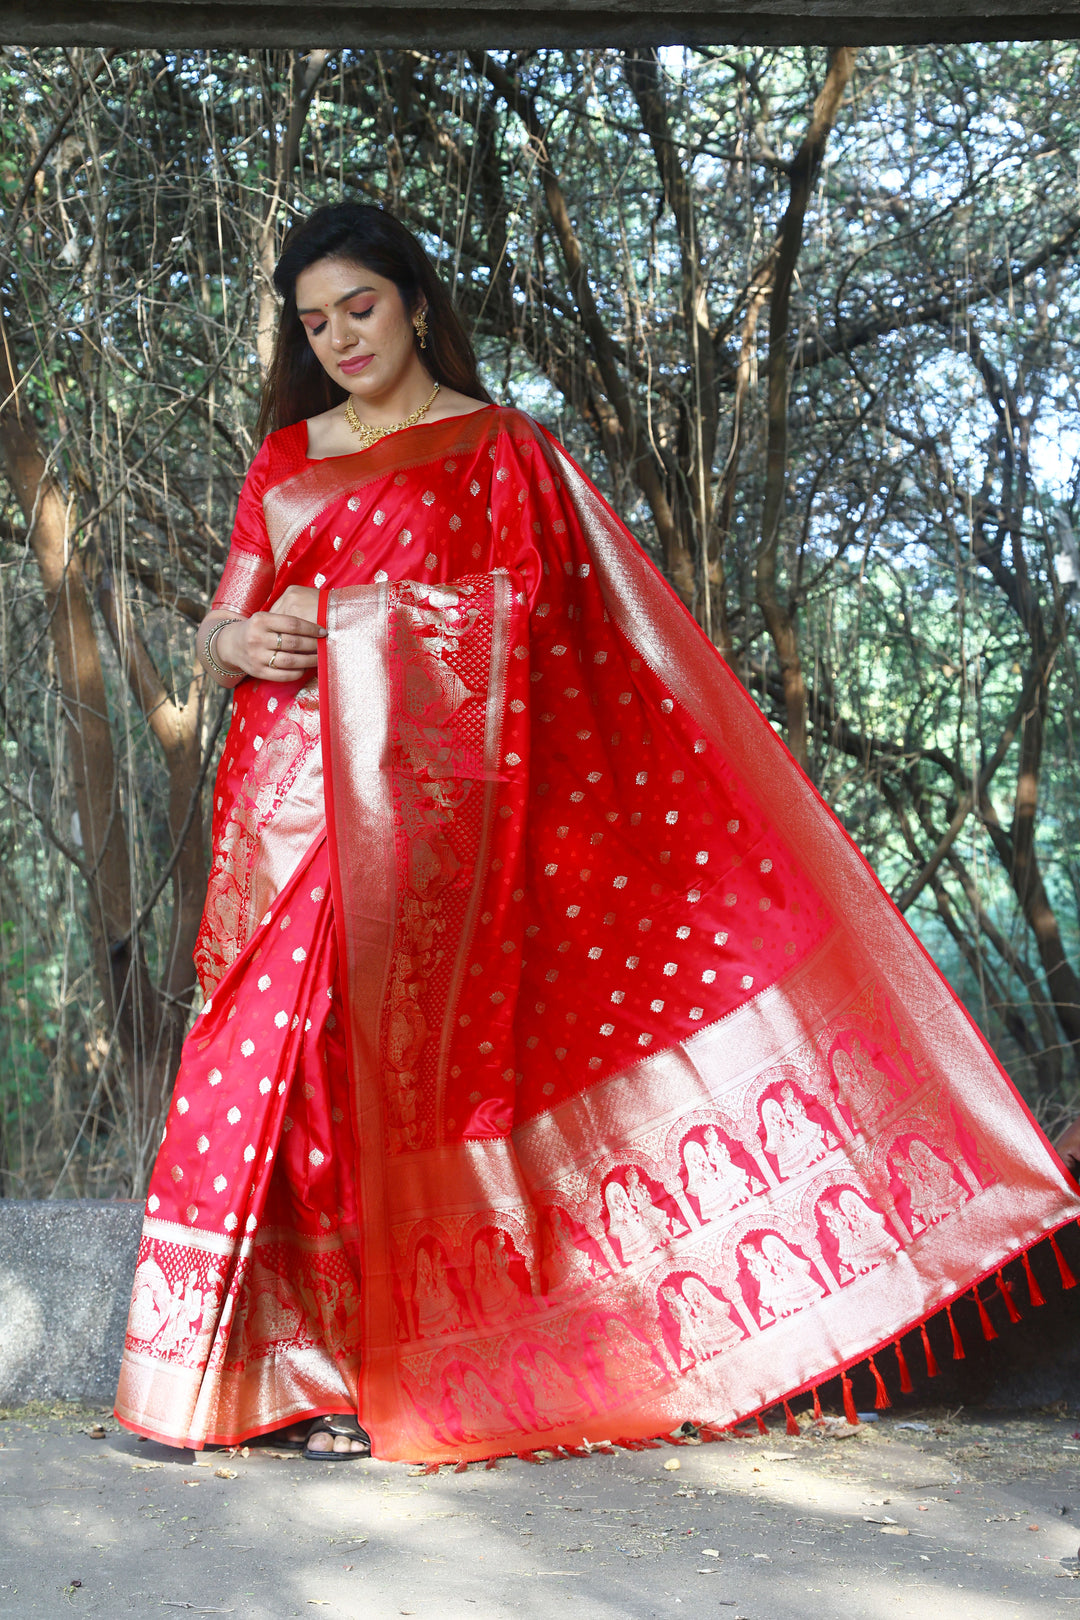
{"x": 357, "y": 314}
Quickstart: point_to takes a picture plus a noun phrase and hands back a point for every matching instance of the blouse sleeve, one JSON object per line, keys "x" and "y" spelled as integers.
{"x": 248, "y": 579}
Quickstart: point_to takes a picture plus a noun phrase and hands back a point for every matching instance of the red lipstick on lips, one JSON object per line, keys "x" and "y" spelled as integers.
{"x": 355, "y": 364}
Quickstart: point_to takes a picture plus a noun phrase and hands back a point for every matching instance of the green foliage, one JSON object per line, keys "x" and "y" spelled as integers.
{"x": 930, "y": 486}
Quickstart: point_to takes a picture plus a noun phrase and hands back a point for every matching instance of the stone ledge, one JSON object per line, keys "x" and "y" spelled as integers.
{"x": 65, "y": 1280}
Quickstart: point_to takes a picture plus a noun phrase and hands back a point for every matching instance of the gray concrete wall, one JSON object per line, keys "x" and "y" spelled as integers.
{"x": 65, "y": 1278}
{"x": 66, "y": 1270}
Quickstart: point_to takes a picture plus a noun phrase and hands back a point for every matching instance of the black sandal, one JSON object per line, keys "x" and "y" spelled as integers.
{"x": 275, "y": 1440}
{"x": 340, "y": 1425}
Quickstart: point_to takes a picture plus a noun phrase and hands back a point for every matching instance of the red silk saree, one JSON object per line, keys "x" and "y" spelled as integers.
{"x": 564, "y": 1071}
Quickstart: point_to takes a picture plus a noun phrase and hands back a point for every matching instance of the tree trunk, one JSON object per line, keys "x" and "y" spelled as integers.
{"x": 635, "y": 448}
{"x": 147, "y": 1026}
{"x": 104, "y": 858}
{"x": 644, "y": 77}
{"x": 1017, "y": 850}
{"x": 779, "y": 617}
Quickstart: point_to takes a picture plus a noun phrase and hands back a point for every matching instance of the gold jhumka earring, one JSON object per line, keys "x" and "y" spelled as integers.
{"x": 420, "y": 323}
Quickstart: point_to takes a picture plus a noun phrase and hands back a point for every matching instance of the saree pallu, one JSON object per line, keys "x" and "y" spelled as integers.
{"x": 566, "y": 1072}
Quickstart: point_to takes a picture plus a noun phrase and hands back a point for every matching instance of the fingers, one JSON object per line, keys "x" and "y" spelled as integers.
{"x": 283, "y": 647}
{"x": 282, "y": 633}
{"x": 280, "y": 657}
{"x": 284, "y": 668}
{"x": 288, "y": 624}
{"x": 283, "y": 642}
{"x": 274, "y": 646}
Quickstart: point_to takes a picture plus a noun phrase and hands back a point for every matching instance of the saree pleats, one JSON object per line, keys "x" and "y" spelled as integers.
{"x": 245, "y": 1307}
{"x": 632, "y": 1097}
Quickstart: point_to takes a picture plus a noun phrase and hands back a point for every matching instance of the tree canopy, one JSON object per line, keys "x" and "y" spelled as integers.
{"x": 807, "y": 316}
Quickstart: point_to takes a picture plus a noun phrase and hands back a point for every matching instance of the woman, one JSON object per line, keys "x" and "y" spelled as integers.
{"x": 626, "y": 1225}
{"x": 511, "y": 884}
{"x": 784, "y": 1279}
{"x": 705, "y": 1325}
{"x": 863, "y": 1239}
{"x": 791, "y": 1136}
{"x": 934, "y": 1188}
{"x": 714, "y": 1179}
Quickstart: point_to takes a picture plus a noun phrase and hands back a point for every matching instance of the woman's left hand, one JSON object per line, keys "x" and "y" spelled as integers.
{"x": 299, "y": 601}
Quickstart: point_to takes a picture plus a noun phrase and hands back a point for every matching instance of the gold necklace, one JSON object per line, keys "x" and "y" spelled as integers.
{"x": 371, "y": 435}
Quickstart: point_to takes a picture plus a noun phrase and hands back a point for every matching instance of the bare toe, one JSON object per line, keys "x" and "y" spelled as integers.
{"x": 337, "y": 1436}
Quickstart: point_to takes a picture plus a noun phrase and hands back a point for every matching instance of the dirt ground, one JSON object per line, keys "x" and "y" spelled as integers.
{"x": 959, "y": 1515}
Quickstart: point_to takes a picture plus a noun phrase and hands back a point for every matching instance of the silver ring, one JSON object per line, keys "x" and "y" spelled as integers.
{"x": 277, "y": 649}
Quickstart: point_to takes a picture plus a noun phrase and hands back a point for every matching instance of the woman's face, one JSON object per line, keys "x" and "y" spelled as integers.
{"x": 358, "y": 327}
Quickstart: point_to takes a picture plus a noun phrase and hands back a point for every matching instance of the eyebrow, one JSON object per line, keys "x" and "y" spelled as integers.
{"x": 344, "y": 299}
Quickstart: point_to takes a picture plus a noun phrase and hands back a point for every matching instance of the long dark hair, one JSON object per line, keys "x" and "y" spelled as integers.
{"x": 296, "y": 385}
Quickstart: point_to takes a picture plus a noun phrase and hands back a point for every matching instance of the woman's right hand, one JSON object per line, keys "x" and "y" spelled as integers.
{"x": 1067, "y": 1148}
{"x": 249, "y": 645}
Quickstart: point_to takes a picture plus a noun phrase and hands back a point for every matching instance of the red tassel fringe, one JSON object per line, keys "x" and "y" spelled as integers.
{"x": 1067, "y": 1278}
{"x": 1005, "y": 1290}
{"x": 879, "y": 1383}
{"x": 707, "y": 1433}
{"x": 957, "y": 1342}
{"x": 931, "y": 1364}
{"x": 1035, "y": 1293}
{"x": 906, "y": 1386}
{"x": 989, "y": 1330}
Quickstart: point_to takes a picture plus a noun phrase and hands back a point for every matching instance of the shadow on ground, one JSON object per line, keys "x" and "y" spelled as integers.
{"x": 969, "y": 1516}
